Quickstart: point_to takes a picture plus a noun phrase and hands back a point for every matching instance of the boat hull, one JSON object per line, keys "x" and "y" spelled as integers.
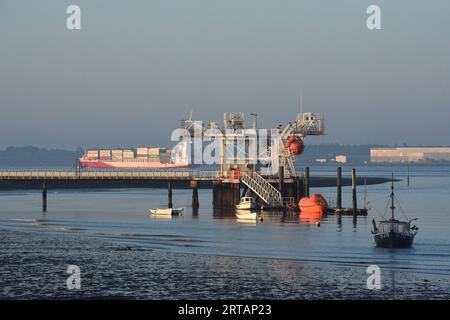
{"x": 167, "y": 212}
{"x": 247, "y": 206}
{"x": 314, "y": 205}
{"x": 161, "y": 212}
{"x": 393, "y": 240}
{"x": 251, "y": 216}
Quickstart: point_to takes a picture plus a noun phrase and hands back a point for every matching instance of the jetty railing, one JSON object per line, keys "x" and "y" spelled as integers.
{"x": 71, "y": 174}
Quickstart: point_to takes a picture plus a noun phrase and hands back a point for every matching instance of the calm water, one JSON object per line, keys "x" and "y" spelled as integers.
{"x": 276, "y": 256}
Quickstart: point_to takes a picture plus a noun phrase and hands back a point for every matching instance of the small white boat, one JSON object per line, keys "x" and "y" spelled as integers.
{"x": 177, "y": 211}
{"x": 247, "y": 203}
{"x": 167, "y": 212}
{"x": 245, "y": 215}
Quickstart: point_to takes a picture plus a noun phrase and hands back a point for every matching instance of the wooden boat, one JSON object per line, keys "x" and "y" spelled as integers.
{"x": 245, "y": 215}
{"x": 392, "y": 233}
{"x": 315, "y": 205}
{"x": 247, "y": 203}
{"x": 167, "y": 212}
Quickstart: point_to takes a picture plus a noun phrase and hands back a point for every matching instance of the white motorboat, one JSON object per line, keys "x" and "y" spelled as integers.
{"x": 167, "y": 212}
{"x": 247, "y": 203}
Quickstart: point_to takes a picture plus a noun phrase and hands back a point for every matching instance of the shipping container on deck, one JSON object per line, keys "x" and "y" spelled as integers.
{"x": 92, "y": 154}
{"x": 153, "y": 151}
{"x": 117, "y": 154}
{"x": 105, "y": 154}
{"x": 128, "y": 154}
{"x": 142, "y": 151}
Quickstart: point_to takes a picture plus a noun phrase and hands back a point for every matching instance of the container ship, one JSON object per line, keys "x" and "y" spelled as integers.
{"x": 138, "y": 158}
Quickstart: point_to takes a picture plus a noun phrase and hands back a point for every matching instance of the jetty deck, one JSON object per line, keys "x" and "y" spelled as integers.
{"x": 67, "y": 179}
{"x": 275, "y": 192}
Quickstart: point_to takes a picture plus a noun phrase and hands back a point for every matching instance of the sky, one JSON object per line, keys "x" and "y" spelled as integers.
{"x": 137, "y": 67}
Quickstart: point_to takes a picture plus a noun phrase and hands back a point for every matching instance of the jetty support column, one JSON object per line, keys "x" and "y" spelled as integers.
{"x": 298, "y": 191}
{"x": 355, "y": 206}
{"x": 236, "y": 194}
{"x": 195, "y": 203}
{"x": 44, "y": 196}
{"x": 306, "y": 183}
{"x": 339, "y": 188}
{"x": 226, "y": 194}
{"x": 169, "y": 195}
{"x": 281, "y": 182}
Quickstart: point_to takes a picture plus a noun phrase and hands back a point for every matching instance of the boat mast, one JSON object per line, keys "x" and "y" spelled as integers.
{"x": 392, "y": 197}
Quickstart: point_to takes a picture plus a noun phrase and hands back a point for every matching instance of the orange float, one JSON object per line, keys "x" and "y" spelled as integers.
{"x": 313, "y": 205}
{"x": 295, "y": 144}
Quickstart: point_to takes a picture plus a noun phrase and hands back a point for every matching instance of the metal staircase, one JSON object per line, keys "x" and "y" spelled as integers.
{"x": 261, "y": 187}
{"x": 289, "y": 159}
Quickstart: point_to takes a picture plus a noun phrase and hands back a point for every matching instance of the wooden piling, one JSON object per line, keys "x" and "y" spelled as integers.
{"x": 339, "y": 188}
{"x": 236, "y": 187}
{"x": 281, "y": 182}
{"x": 169, "y": 195}
{"x": 216, "y": 194}
{"x": 339, "y": 219}
{"x": 44, "y": 196}
{"x": 77, "y": 168}
{"x": 407, "y": 178}
{"x": 195, "y": 203}
{"x": 355, "y": 206}
{"x": 306, "y": 182}
{"x": 298, "y": 190}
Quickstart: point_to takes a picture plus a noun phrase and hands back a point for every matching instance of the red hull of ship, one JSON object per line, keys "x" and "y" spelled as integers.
{"x": 131, "y": 165}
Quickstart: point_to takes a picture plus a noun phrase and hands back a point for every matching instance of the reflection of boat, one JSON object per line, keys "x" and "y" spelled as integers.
{"x": 167, "y": 212}
{"x": 247, "y": 203}
{"x": 273, "y": 216}
{"x": 245, "y": 215}
{"x": 393, "y": 233}
{"x": 316, "y": 204}
{"x": 310, "y": 217}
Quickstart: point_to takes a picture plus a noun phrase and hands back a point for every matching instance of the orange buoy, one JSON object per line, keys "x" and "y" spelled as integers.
{"x": 295, "y": 144}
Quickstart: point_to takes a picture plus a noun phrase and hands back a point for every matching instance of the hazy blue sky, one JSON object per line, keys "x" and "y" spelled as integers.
{"x": 137, "y": 67}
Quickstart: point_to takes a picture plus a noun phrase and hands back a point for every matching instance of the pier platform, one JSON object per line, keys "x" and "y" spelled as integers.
{"x": 70, "y": 179}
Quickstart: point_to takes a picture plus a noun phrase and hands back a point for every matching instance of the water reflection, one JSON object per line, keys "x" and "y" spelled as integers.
{"x": 224, "y": 213}
{"x": 279, "y": 216}
{"x": 247, "y": 216}
{"x": 310, "y": 217}
{"x": 161, "y": 216}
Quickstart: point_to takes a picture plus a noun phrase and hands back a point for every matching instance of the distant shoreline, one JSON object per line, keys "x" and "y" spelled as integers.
{"x": 358, "y": 155}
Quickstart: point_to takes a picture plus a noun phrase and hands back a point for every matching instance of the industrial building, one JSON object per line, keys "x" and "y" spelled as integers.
{"x": 341, "y": 159}
{"x": 410, "y": 154}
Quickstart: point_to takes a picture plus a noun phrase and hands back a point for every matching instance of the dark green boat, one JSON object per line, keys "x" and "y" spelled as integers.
{"x": 392, "y": 233}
